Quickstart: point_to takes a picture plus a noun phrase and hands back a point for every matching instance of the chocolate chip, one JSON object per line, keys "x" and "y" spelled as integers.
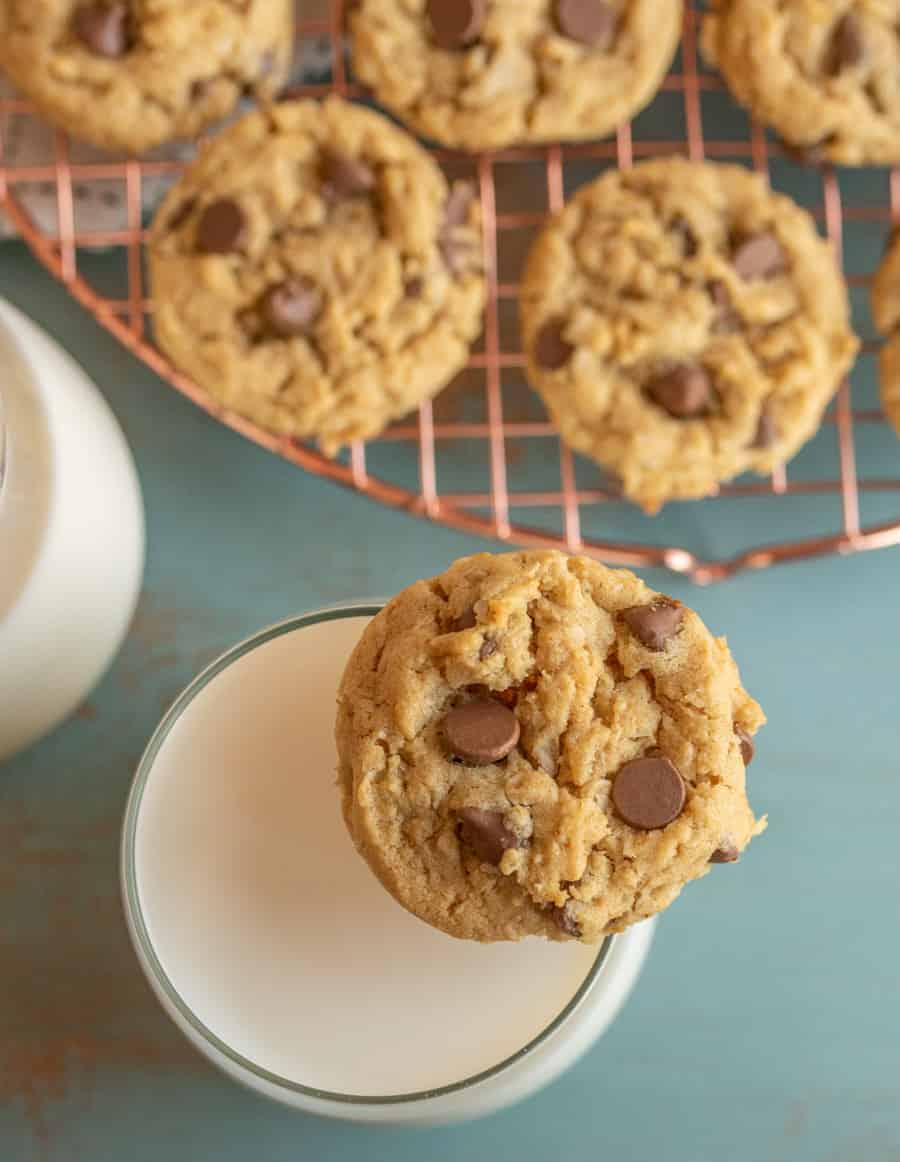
{"x": 552, "y": 350}
{"x": 456, "y": 23}
{"x": 481, "y": 732}
{"x": 222, "y": 227}
{"x": 345, "y": 176}
{"x": 847, "y": 46}
{"x": 104, "y": 29}
{"x": 748, "y": 750}
{"x": 566, "y": 922}
{"x": 649, "y": 793}
{"x": 488, "y": 648}
{"x": 766, "y": 432}
{"x": 759, "y": 256}
{"x": 413, "y": 287}
{"x": 465, "y": 620}
{"x": 654, "y": 624}
{"x": 726, "y": 318}
{"x": 181, "y": 214}
{"x": 290, "y": 307}
{"x": 684, "y": 391}
{"x": 486, "y": 833}
{"x": 726, "y": 853}
{"x": 588, "y": 21}
{"x": 688, "y": 239}
{"x": 198, "y": 89}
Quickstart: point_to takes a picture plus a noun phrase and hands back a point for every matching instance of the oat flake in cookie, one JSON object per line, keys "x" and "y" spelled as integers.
{"x": 567, "y": 781}
{"x": 131, "y": 74}
{"x": 316, "y": 273}
{"x": 480, "y": 75}
{"x": 886, "y": 313}
{"x": 822, "y": 73}
{"x": 684, "y": 324}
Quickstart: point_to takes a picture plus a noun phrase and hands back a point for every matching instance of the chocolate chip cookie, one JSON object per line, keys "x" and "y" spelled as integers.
{"x": 534, "y": 744}
{"x": 822, "y": 73}
{"x": 684, "y": 324}
{"x": 315, "y": 272}
{"x": 486, "y": 73}
{"x": 131, "y": 75}
{"x": 886, "y": 313}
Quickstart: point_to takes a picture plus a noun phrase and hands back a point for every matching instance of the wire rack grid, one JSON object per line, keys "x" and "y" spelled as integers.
{"x": 483, "y": 457}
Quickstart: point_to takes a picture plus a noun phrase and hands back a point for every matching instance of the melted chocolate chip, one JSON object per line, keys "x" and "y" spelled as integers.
{"x": 748, "y": 749}
{"x": 590, "y": 22}
{"x": 847, "y": 47}
{"x": 486, "y": 833}
{"x": 345, "y": 176}
{"x": 481, "y": 732}
{"x": 725, "y": 853}
{"x": 552, "y": 350}
{"x": 291, "y": 307}
{"x": 649, "y": 793}
{"x": 466, "y": 620}
{"x": 566, "y": 922}
{"x": 682, "y": 229}
{"x": 103, "y": 29}
{"x": 488, "y": 648}
{"x": 655, "y": 624}
{"x": 456, "y": 23}
{"x": 684, "y": 391}
{"x": 222, "y": 227}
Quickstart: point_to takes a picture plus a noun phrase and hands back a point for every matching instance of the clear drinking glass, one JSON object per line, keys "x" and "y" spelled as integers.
{"x": 224, "y": 862}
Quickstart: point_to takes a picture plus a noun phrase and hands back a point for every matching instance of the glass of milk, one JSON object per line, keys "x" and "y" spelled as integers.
{"x": 276, "y": 951}
{"x": 71, "y": 533}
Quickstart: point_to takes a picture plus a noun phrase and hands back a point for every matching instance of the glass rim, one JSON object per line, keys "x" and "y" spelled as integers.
{"x": 163, "y": 982}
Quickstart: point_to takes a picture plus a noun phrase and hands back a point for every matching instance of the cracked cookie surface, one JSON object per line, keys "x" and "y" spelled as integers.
{"x": 315, "y": 273}
{"x": 684, "y": 324}
{"x": 483, "y": 75}
{"x": 130, "y": 76}
{"x": 822, "y": 73}
{"x": 886, "y": 313}
{"x": 534, "y": 744}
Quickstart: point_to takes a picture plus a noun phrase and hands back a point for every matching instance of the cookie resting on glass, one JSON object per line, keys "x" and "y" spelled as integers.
{"x": 535, "y": 745}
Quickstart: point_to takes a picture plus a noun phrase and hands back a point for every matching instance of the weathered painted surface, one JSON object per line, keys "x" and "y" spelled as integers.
{"x": 767, "y": 1025}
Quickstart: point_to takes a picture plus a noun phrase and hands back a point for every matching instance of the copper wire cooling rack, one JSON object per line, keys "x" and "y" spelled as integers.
{"x": 483, "y": 457}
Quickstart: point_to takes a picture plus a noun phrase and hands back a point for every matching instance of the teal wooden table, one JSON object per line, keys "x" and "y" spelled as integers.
{"x": 767, "y": 1023}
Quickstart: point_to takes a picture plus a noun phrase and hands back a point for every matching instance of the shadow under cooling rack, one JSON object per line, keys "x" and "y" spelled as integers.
{"x": 483, "y": 456}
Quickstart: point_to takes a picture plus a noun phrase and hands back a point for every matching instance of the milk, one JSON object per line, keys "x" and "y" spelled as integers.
{"x": 71, "y": 533}
{"x": 272, "y": 930}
